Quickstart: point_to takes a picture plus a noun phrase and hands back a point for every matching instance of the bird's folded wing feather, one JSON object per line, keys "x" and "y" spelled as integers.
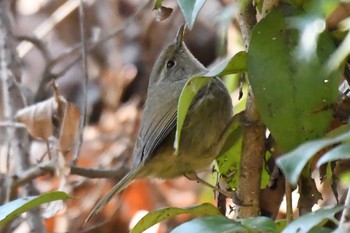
{"x": 156, "y": 126}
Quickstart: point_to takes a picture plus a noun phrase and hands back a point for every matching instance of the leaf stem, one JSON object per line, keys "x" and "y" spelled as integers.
{"x": 289, "y": 202}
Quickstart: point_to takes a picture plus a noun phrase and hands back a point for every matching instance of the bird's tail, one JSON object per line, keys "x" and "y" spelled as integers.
{"x": 120, "y": 186}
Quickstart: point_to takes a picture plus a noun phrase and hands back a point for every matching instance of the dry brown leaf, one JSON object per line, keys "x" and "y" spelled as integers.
{"x": 69, "y": 129}
{"x": 53, "y": 117}
{"x": 38, "y": 118}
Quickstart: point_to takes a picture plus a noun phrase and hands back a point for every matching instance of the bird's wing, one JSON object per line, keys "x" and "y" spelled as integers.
{"x": 156, "y": 125}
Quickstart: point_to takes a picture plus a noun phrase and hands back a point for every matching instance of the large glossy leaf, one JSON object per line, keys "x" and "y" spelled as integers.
{"x": 260, "y": 223}
{"x": 217, "y": 224}
{"x": 306, "y": 222}
{"x": 293, "y": 162}
{"x": 221, "y": 224}
{"x": 157, "y": 216}
{"x": 190, "y": 10}
{"x": 293, "y": 95}
{"x": 12, "y": 209}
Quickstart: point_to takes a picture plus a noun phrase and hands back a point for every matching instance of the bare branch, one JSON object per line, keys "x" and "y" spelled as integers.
{"x": 47, "y": 167}
{"x": 35, "y": 171}
{"x": 39, "y": 44}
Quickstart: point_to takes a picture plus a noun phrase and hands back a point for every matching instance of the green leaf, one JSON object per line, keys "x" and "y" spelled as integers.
{"x": 306, "y": 222}
{"x": 190, "y": 10}
{"x": 192, "y": 86}
{"x": 340, "y": 152}
{"x": 12, "y": 209}
{"x": 236, "y": 64}
{"x": 229, "y": 159}
{"x": 320, "y": 7}
{"x": 281, "y": 224}
{"x": 282, "y": 82}
{"x": 215, "y": 224}
{"x": 260, "y": 224}
{"x": 345, "y": 178}
{"x": 293, "y": 162}
{"x": 266, "y": 173}
{"x": 157, "y": 216}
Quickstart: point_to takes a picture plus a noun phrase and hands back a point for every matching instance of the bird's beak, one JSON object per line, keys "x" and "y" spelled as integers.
{"x": 180, "y": 36}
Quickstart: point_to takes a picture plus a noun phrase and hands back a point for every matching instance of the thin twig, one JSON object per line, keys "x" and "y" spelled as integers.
{"x": 47, "y": 167}
{"x": 48, "y": 149}
{"x": 33, "y": 172}
{"x": 83, "y": 114}
{"x": 13, "y": 124}
{"x": 39, "y": 44}
{"x": 289, "y": 202}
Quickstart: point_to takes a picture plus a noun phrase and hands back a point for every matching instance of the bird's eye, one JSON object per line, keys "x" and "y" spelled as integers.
{"x": 170, "y": 64}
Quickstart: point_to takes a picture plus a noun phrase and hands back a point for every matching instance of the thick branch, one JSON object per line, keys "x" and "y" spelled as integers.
{"x": 253, "y": 148}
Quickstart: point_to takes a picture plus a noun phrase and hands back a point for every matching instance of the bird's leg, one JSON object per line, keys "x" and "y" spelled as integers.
{"x": 193, "y": 176}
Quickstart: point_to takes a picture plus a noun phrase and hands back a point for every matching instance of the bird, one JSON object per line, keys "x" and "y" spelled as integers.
{"x": 206, "y": 120}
